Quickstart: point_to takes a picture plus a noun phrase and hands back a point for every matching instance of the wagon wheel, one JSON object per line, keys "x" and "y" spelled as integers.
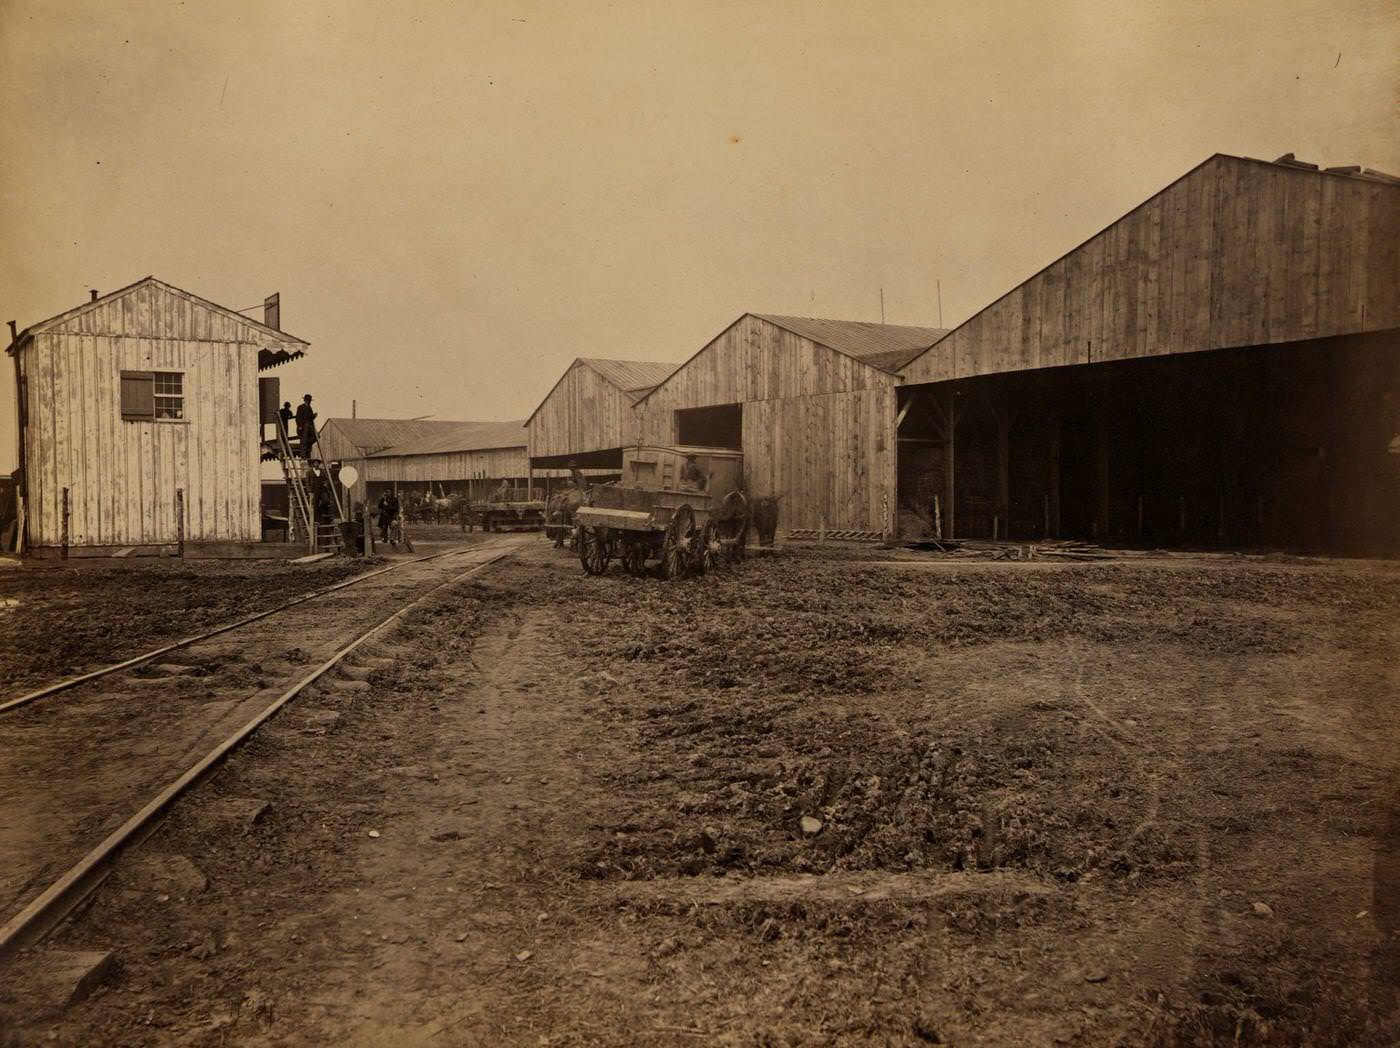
{"x": 708, "y": 548}
{"x": 634, "y": 558}
{"x": 736, "y": 513}
{"x": 680, "y": 540}
{"x": 594, "y": 551}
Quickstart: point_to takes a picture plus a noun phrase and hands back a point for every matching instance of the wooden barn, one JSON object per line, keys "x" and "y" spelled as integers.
{"x": 812, "y": 404}
{"x": 1221, "y": 366}
{"x": 587, "y": 418}
{"x": 139, "y": 415}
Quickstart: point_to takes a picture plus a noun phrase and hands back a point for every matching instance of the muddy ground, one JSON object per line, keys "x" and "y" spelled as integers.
{"x": 807, "y": 801}
{"x": 59, "y": 621}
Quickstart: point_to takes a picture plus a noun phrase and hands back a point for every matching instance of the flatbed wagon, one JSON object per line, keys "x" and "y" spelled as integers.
{"x": 682, "y": 506}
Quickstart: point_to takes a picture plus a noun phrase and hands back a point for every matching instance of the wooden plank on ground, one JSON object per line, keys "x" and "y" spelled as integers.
{"x": 311, "y": 558}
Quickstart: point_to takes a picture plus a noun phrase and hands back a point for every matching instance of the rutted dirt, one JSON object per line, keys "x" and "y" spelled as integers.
{"x": 76, "y": 764}
{"x": 804, "y": 802}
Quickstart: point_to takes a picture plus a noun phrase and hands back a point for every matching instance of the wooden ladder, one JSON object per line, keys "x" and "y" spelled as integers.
{"x": 302, "y": 508}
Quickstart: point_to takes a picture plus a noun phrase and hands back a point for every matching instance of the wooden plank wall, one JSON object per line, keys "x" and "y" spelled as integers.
{"x": 122, "y": 476}
{"x": 1236, "y": 253}
{"x": 818, "y": 426}
{"x": 831, "y": 457}
{"x": 584, "y": 412}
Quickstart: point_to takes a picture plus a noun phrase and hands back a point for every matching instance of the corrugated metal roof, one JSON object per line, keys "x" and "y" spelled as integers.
{"x": 885, "y": 346}
{"x": 370, "y": 435}
{"x": 461, "y": 436}
{"x": 631, "y": 376}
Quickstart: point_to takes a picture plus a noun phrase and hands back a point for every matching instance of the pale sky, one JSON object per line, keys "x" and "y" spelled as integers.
{"x": 456, "y": 199}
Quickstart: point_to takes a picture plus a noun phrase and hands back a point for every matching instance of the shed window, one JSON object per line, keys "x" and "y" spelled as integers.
{"x": 170, "y": 394}
{"x": 150, "y": 395}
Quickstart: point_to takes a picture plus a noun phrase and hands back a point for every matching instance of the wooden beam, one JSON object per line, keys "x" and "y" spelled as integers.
{"x": 949, "y": 458}
{"x": 899, "y": 419}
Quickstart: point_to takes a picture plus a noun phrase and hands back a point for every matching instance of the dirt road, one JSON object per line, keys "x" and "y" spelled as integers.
{"x": 805, "y": 802}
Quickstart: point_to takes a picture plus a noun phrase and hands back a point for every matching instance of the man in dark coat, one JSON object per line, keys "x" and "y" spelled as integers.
{"x": 306, "y": 426}
{"x": 388, "y": 508}
{"x": 286, "y": 415}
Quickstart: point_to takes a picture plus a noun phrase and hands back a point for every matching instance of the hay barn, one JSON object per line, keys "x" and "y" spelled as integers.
{"x": 143, "y": 406}
{"x": 1221, "y": 366}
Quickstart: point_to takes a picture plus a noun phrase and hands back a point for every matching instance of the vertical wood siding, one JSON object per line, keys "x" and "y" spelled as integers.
{"x": 122, "y": 475}
{"x": 584, "y": 412}
{"x": 818, "y": 426}
{"x": 1236, "y": 253}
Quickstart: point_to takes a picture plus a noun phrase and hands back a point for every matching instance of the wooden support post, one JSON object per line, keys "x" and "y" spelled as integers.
{"x": 950, "y": 427}
{"x": 369, "y": 528}
{"x": 63, "y": 538}
{"x": 180, "y": 522}
{"x": 1103, "y": 511}
{"x": 1052, "y": 502}
{"x": 1002, "y": 414}
{"x": 937, "y": 518}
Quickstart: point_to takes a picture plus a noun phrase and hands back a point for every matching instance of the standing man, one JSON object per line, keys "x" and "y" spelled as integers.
{"x": 285, "y": 416}
{"x": 306, "y": 426}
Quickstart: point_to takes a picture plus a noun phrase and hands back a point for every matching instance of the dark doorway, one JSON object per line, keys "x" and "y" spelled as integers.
{"x": 721, "y": 426}
{"x": 1078, "y": 455}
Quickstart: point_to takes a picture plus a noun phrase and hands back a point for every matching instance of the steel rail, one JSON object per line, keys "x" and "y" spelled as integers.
{"x": 47, "y": 910}
{"x": 137, "y": 660}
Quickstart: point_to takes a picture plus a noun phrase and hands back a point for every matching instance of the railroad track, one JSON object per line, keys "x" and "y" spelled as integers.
{"x": 165, "y": 649}
{"x": 49, "y": 907}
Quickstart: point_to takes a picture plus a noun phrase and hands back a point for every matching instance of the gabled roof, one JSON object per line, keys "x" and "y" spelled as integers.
{"x": 271, "y": 335}
{"x": 635, "y": 378}
{"x": 461, "y": 436}
{"x": 630, "y": 376}
{"x": 1245, "y": 165}
{"x": 885, "y": 346}
{"x": 371, "y": 435}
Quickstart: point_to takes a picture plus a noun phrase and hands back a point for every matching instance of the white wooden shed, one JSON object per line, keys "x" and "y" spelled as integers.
{"x": 138, "y": 403}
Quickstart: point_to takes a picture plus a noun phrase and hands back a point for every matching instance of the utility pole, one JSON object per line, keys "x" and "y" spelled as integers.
{"x": 882, "y": 305}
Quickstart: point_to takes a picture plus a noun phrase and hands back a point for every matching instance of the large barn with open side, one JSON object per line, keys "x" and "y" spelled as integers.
{"x": 812, "y": 405}
{"x": 1220, "y": 366}
{"x": 139, "y": 417}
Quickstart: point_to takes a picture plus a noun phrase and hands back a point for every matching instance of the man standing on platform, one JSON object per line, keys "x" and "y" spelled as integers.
{"x": 306, "y": 426}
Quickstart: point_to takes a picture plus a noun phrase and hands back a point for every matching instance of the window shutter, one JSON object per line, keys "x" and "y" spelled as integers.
{"x": 269, "y": 399}
{"x": 138, "y": 395}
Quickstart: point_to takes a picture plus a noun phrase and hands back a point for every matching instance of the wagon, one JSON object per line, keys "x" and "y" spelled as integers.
{"x": 687, "y": 519}
{"x": 511, "y": 508}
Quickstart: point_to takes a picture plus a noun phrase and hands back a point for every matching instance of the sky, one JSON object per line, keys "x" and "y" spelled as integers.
{"x": 454, "y": 200}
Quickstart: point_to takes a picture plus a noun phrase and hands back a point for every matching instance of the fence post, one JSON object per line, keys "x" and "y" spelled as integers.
{"x": 64, "y": 537}
{"x": 180, "y": 522}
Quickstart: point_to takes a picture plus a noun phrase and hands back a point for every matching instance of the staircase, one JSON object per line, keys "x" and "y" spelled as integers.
{"x": 322, "y": 537}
